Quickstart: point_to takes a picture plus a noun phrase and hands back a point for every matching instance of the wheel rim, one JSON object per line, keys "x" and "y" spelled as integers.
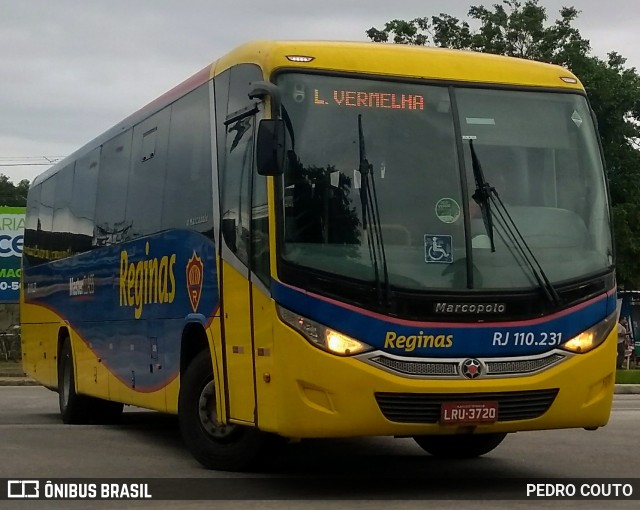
{"x": 207, "y": 414}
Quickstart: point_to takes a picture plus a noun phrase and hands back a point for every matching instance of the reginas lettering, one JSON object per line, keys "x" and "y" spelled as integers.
{"x": 146, "y": 281}
{"x": 410, "y": 342}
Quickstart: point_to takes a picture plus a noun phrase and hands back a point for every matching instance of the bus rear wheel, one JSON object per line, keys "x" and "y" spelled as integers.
{"x": 78, "y": 409}
{"x": 217, "y": 445}
{"x": 459, "y": 446}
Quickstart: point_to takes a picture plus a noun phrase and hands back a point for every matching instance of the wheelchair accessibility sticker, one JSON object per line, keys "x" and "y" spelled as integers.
{"x": 438, "y": 249}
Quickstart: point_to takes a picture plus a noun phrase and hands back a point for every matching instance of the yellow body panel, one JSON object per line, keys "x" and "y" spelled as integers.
{"x": 398, "y": 60}
{"x": 92, "y": 375}
{"x": 266, "y": 359}
{"x": 39, "y": 346}
{"x": 238, "y": 348}
{"x": 317, "y": 394}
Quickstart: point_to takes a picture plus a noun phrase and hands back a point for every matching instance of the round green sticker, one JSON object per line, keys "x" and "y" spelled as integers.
{"x": 447, "y": 210}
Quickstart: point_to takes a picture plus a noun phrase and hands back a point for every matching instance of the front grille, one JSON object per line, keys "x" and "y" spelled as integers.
{"x": 425, "y": 407}
{"x": 524, "y": 366}
{"x": 425, "y": 368}
{"x": 434, "y": 368}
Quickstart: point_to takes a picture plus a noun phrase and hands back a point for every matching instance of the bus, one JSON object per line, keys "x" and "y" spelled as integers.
{"x": 331, "y": 239}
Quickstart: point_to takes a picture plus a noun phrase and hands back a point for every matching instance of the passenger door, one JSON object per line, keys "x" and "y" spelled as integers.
{"x": 236, "y": 181}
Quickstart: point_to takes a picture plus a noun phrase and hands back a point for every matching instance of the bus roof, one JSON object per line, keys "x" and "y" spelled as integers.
{"x": 399, "y": 60}
{"x": 389, "y": 60}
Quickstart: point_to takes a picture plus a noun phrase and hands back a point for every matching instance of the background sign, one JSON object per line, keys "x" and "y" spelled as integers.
{"x": 630, "y": 308}
{"x": 11, "y": 240}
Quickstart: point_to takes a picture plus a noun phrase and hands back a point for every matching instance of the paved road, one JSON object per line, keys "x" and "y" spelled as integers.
{"x": 35, "y": 444}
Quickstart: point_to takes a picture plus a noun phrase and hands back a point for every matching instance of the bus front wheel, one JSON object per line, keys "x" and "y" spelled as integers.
{"x": 459, "y": 446}
{"x": 214, "y": 444}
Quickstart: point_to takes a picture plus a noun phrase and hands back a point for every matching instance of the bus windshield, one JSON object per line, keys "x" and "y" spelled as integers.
{"x": 414, "y": 144}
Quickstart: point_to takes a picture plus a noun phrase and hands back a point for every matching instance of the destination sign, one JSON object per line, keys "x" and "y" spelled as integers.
{"x": 363, "y": 99}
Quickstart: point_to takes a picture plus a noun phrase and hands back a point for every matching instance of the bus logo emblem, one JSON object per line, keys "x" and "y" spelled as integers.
{"x": 195, "y": 275}
{"x": 471, "y": 368}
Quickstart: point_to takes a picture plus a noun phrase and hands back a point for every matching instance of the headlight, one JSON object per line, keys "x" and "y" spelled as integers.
{"x": 592, "y": 337}
{"x": 322, "y": 336}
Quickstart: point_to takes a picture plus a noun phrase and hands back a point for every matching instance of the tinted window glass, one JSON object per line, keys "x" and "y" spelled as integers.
{"x": 537, "y": 149}
{"x": 187, "y": 193}
{"x": 83, "y": 202}
{"x": 113, "y": 175}
{"x": 238, "y": 164}
{"x": 260, "y": 229}
{"x": 240, "y": 84}
{"x": 237, "y": 178}
{"x": 47, "y": 204}
{"x": 62, "y": 201}
{"x": 365, "y": 148}
{"x": 541, "y": 154}
{"x": 146, "y": 182}
{"x": 222, "y": 100}
{"x": 31, "y": 231}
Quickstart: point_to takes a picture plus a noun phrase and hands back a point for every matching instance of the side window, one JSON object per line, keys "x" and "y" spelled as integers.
{"x": 61, "y": 228}
{"x": 113, "y": 177}
{"x": 62, "y": 200}
{"x": 83, "y": 201}
{"x": 33, "y": 205}
{"x": 188, "y": 197}
{"x": 236, "y": 199}
{"x": 40, "y": 242}
{"x": 221, "y": 85}
{"x": 260, "y": 229}
{"x": 237, "y": 168}
{"x": 146, "y": 180}
{"x": 63, "y": 224}
{"x": 47, "y": 203}
{"x": 32, "y": 240}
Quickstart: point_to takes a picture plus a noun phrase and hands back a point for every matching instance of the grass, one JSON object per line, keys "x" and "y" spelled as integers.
{"x": 631, "y": 376}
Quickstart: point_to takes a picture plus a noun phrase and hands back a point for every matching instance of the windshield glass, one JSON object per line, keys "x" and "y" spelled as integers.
{"x": 537, "y": 149}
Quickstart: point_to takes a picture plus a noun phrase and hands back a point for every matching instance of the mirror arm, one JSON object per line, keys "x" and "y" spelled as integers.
{"x": 260, "y": 89}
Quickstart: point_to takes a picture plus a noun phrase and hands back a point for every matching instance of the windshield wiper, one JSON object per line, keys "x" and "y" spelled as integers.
{"x": 369, "y": 201}
{"x": 487, "y": 196}
{"x": 482, "y": 195}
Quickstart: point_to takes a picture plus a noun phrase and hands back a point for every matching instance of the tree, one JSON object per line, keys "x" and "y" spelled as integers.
{"x": 522, "y": 30}
{"x": 11, "y": 195}
{"x": 512, "y": 28}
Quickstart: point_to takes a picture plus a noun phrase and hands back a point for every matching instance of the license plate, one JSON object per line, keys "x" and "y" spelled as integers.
{"x": 485, "y": 411}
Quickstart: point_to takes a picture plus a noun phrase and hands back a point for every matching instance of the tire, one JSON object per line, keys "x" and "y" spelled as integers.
{"x": 217, "y": 446}
{"x": 465, "y": 446}
{"x": 78, "y": 409}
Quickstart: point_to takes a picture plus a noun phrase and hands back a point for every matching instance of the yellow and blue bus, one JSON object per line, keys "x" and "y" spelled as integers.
{"x": 323, "y": 239}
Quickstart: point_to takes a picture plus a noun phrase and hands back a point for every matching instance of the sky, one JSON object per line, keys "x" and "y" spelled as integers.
{"x": 71, "y": 69}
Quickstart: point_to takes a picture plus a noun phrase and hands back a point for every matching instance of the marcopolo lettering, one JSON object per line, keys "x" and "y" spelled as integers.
{"x": 475, "y": 308}
{"x": 82, "y": 286}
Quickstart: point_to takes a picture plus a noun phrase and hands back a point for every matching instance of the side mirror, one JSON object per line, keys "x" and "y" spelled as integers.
{"x": 270, "y": 147}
